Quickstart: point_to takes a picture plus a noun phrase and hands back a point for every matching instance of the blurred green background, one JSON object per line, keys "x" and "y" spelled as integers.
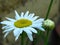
{"x": 39, "y": 7}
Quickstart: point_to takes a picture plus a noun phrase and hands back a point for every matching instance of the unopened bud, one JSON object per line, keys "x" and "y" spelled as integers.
{"x": 48, "y": 24}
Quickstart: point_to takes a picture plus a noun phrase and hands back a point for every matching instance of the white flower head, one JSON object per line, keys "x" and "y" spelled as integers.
{"x": 24, "y": 22}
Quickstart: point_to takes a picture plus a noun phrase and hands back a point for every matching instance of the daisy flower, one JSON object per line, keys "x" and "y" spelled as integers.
{"x": 24, "y": 22}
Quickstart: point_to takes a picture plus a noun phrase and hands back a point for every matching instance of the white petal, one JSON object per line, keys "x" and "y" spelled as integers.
{"x": 39, "y": 20}
{"x": 17, "y": 32}
{"x": 17, "y": 15}
{"x": 22, "y": 14}
{"x": 40, "y": 28}
{"x": 4, "y": 27}
{"x": 36, "y": 25}
{"x": 26, "y": 14}
{"x": 6, "y": 34}
{"x": 30, "y": 37}
{"x": 27, "y": 31}
{"x": 31, "y": 15}
{"x": 8, "y": 30}
{"x": 7, "y": 27}
{"x": 34, "y": 18}
{"x": 33, "y": 30}
{"x": 10, "y": 19}
{"x": 7, "y": 22}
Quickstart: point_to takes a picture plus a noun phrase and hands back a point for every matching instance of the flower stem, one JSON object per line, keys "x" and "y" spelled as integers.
{"x": 47, "y": 14}
{"x": 49, "y": 8}
{"x": 38, "y": 37}
{"x": 22, "y": 39}
{"x": 27, "y": 42}
{"x": 46, "y": 38}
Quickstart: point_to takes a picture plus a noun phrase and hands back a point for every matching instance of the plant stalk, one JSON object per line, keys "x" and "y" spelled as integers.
{"x": 22, "y": 39}
{"x": 49, "y": 8}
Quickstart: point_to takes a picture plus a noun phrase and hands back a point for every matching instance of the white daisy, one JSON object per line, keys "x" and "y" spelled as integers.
{"x": 25, "y": 22}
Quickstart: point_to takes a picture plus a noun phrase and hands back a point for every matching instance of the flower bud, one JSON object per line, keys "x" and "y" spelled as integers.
{"x": 48, "y": 24}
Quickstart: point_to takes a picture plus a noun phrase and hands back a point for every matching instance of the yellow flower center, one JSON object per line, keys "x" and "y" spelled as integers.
{"x": 22, "y": 23}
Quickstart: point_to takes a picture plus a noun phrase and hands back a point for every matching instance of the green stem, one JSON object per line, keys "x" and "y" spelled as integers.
{"x": 49, "y": 8}
{"x": 46, "y": 38}
{"x": 47, "y": 14}
{"x": 38, "y": 37}
{"x": 27, "y": 42}
{"x": 22, "y": 39}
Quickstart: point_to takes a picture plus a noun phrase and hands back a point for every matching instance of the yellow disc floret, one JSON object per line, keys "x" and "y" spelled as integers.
{"x": 22, "y": 23}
